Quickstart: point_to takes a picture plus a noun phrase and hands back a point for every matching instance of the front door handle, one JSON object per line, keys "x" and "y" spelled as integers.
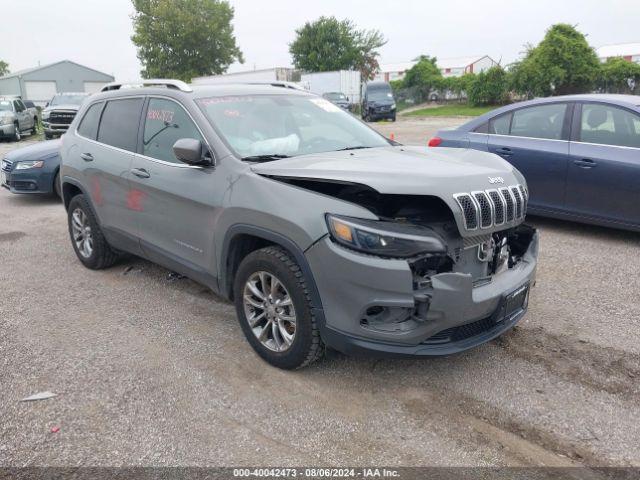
{"x": 140, "y": 172}
{"x": 585, "y": 163}
{"x": 87, "y": 157}
{"x": 504, "y": 152}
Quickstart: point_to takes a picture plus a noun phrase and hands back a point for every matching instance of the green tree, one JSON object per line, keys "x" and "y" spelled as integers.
{"x": 4, "y": 68}
{"x": 329, "y": 44}
{"x": 489, "y": 87}
{"x": 562, "y": 63}
{"x": 618, "y": 75}
{"x": 423, "y": 78}
{"x": 184, "y": 38}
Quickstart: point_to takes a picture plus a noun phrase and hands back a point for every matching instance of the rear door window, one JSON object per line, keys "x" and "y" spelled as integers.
{"x": 609, "y": 125}
{"x": 543, "y": 121}
{"x": 89, "y": 125}
{"x": 119, "y": 124}
{"x": 166, "y": 122}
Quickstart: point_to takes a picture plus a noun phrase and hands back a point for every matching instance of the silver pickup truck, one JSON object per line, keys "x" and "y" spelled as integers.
{"x": 16, "y": 118}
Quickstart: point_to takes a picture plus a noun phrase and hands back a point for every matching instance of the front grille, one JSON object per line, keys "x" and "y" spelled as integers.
{"x": 462, "y": 332}
{"x": 519, "y": 201}
{"x": 508, "y": 198}
{"x": 486, "y": 211}
{"x": 499, "y": 205}
{"x": 488, "y": 208}
{"x": 469, "y": 211}
{"x": 61, "y": 118}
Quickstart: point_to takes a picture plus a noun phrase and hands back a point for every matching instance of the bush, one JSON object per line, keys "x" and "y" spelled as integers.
{"x": 618, "y": 75}
{"x": 488, "y": 88}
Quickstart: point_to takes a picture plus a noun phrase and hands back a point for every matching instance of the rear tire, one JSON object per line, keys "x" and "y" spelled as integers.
{"x": 87, "y": 238}
{"x": 34, "y": 130}
{"x": 265, "y": 265}
{"x": 16, "y": 134}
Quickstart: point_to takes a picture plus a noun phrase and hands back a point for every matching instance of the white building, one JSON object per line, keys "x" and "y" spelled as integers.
{"x": 266, "y": 75}
{"x": 450, "y": 67}
{"x": 628, "y": 51}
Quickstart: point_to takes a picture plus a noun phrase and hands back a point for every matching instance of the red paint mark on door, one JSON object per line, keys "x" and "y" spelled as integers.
{"x": 134, "y": 200}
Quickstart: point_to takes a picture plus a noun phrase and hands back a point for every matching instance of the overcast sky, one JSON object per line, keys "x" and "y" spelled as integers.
{"x": 97, "y": 33}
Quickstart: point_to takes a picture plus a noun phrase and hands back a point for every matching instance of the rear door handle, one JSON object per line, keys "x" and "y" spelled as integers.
{"x": 87, "y": 157}
{"x": 504, "y": 151}
{"x": 585, "y": 163}
{"x": 140, "y": 172}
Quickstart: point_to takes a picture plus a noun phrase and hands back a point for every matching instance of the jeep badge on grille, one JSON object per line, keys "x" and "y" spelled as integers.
{"x": 493, "y": 180}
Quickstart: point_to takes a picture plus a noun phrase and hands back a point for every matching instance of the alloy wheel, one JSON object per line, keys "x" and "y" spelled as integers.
{"x": 269, "y": 310}
{"x": 82, "y": 232}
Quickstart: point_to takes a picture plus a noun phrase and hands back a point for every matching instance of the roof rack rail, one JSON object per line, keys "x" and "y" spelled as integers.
{"x": 152, "y": 82}
{"x": 281, "y": 84}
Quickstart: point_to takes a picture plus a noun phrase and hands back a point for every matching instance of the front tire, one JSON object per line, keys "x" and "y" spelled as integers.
{"x": 57, "y": 187}
{"x": 273, "y": 305}
{"x": 86, "y": 235}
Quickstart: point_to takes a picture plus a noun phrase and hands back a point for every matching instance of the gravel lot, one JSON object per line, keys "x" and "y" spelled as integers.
{"x": 154, "y": 371}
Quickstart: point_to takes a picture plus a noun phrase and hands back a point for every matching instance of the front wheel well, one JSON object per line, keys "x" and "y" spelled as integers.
{"x": 69, "y": 190}
{"x": 239, "y": 247}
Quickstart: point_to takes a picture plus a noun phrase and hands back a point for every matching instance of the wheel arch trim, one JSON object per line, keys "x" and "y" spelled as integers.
{"x": 278, "y": 239}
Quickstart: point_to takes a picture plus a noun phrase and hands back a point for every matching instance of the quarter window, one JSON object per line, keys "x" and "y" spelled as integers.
{"x": 119, "y": 124}
{"x": 544, "y": 121}
{"x": 166, "y": 122}
{"x": 609, "y": 125}
{"x": 89, "y": 126}
{"x": 500, "y": 125}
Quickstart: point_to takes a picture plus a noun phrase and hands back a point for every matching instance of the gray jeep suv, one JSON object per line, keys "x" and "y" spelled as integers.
{"x": 320, "y": 230}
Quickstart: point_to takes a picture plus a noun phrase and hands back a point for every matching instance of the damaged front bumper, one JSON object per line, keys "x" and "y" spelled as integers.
{"x": 372, "y": 305}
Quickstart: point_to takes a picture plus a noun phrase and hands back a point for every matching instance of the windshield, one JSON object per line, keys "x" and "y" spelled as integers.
{"x": 68, "y": 100}
{"x": 286, "y": 125}
{"x": 5, "y": 106}
{"x": 379, "y": 94}
{"x": 335, "y": 96}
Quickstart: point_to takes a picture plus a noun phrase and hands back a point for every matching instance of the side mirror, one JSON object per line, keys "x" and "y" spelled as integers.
{"x": 190, "y": 151}
{"x": 46, "y": 105}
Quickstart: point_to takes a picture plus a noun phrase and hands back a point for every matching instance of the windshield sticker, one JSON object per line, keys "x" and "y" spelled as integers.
{"x": 162, "y": 115}
{"x": 231, "y": 113}
{"x": 326, "y": 105}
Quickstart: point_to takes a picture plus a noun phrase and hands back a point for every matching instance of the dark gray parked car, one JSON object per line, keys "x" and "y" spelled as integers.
{"x": 33, "y": 169}
{"x": 322, "y": 231}
{"x": 580, "y": 154}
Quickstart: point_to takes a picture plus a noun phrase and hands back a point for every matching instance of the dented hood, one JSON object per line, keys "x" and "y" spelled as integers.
{"x": 400, "y": 170}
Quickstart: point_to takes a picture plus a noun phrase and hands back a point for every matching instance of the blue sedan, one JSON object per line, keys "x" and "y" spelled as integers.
{"x": 580, "y": 154}
{"x": 33, "y": 169}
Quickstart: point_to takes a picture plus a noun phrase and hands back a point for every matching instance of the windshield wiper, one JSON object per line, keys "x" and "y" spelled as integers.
{"x": 265, "y": 158}
{"x": 357, "y": 147}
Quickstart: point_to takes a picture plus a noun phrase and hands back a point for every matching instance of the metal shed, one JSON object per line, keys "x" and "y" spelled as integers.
{"x": 40, "y": 84}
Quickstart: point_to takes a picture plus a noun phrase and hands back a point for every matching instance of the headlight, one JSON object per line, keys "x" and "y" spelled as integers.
{"x": 386, "y": 239}
{"x": 6, "y": 121}
{"x": 393, "y": 106}
{"x": 29, "y": 164}
{"x": 45, "y": 115}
